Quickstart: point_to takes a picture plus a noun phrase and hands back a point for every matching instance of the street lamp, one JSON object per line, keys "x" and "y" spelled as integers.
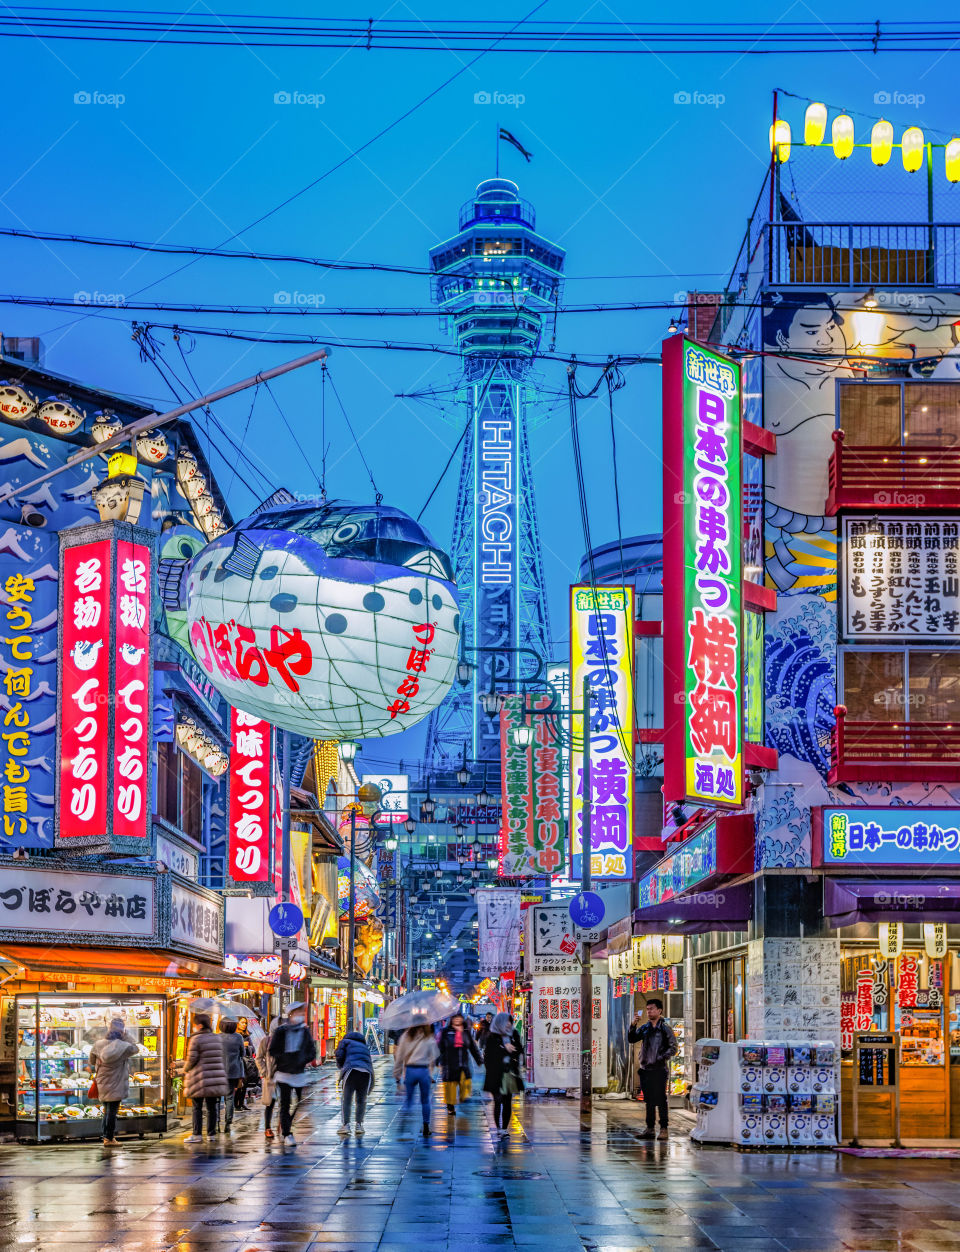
{"x": 428, "y": 804}
{"x": 348, "y": 751}
{"x": 465, "y": 670}
{"x": 483, "y": 795}
{"x": 459, "y": 829}
{"x": 410, "y": 825}
{"x": 491, "y": 702}
{"x": 522, "y": 735}
{"x": 463, "y": 774}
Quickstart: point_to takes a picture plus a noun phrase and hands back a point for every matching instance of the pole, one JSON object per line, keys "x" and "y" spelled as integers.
{"x": 586, "y": 972}
{"x": 350, "y": 915}
{"x": 285, "y": 867}
{"x": 153, "y": 420}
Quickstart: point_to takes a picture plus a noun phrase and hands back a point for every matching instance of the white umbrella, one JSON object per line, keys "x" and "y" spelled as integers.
{"x": 417, "y": 1008}
{"x": 202, "y": 1004}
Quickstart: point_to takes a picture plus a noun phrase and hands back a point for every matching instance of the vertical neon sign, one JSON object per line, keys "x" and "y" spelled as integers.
{"x": 703, "y": 626}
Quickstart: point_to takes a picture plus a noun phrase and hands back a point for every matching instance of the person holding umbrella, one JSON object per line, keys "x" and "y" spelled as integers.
{"x": 417, "y": 1051}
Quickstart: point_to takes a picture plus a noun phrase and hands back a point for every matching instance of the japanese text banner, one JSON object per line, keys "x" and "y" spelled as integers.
{"x": 601, "y": 652}
{"x": 703, "y": 560}
{"x": 251, "y": 781}
{"x": 532, "y": 826}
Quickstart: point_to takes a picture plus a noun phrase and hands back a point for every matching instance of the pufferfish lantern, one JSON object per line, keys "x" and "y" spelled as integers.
{"x": 60, "y": 414}
{"x": 16, "y": 403}
{"x": 332, "y": 620}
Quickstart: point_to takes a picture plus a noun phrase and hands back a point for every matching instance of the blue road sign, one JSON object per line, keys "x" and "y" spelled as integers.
{"x": 586, "y": 910}
{"x": 286, "y": 920}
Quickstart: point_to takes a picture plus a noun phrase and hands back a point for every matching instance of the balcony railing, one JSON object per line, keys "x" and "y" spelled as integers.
{"x": 863, "y": 254}
{"x": 867, "y": 751}
{"x": 892, "y": 478}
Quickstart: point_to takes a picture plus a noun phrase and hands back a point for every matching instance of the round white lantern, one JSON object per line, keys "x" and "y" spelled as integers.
{"x": 105, "y": 426}
{"x": 60, "y": 415}
{"x": 16, "y": 403}
{"x": 152, "y": 446}
{"x": 332, "y": 620}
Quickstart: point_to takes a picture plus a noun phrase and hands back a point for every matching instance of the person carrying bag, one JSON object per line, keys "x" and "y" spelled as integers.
{"x": 501, "y": 1058}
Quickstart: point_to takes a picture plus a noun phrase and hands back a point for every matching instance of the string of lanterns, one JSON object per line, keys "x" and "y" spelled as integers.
{"x": 201, "y": 748}
{"x": 912, "y": 143}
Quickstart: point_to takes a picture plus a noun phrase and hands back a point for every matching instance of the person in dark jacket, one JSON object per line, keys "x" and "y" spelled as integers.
{"x": 204, "y": 1075}
{"x": 501, "y": 1058}
{"x": 484, "y": 1034}
{"x": 292, "y": 1049}
{"x": 658, "y": 1044}
{"x": 457, "y": 1045}
{"x": 233, "y": 1055}
{"x": 356, "y": 1071}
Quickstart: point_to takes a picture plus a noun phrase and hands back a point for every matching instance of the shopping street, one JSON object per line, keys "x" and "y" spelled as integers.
{"x": 544, "y": 1187}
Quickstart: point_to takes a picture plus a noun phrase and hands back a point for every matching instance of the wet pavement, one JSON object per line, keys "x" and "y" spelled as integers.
{"x": 545, "y": 1187}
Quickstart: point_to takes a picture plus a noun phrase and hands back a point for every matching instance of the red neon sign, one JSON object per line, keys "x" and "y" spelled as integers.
{"x": 251, "y": 776}
{"x": 131, "y": 742}
{"x": 84, "y": 690}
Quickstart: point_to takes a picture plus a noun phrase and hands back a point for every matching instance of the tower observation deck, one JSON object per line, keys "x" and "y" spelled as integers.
{"x": 496, "y": 284}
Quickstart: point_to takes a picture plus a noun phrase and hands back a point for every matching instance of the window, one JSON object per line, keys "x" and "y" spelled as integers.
{"x": 896, "y": 686}
{"x": 890, "y": 415}
{"x": 932, "y": 415}
{"x": 870, "y": 415}
{"x": 179, "y": 790}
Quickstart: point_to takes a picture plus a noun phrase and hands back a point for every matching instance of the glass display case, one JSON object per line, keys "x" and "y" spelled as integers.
{"x": 677, "y": 1084}
{"x": 55, "y": 1034}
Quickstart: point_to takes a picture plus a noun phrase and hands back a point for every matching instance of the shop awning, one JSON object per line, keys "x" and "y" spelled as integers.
{"x": 88, "y": 963}
{"x": 721, "y": 908}
{"x": 847, "y": 901}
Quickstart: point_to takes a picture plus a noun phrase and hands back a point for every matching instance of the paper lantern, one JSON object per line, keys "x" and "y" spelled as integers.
{"x": 842, "y": 133}
{"x": 671, "y": 949}
{"x": 332, "y": 620}
{"x": 891, "y": 939}
{"x": 60, "y": 415}
{"x": 935, "y": 940}
{"x": 815, "y": 123}
{"x": 105, "y": 426}
{"x": 951, "y": 157}
{"x": 911, "y": 148}
{"x": 780, "y": 139}
{"x": 152, "y": 446}
{"x": 881, "y": 142}
{"x": 16, "y": 403}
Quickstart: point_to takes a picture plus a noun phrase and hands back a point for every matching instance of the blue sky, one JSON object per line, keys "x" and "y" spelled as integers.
{"x": 649, "y": 195}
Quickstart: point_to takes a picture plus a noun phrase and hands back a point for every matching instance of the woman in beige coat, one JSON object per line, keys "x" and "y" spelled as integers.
{"x": 205, "y": 1075}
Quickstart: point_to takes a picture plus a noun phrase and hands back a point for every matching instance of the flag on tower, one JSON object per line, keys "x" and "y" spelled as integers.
{"x": 505, "y": 134}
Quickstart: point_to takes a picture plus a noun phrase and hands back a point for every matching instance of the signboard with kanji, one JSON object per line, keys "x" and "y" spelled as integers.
{"x": 251, "y": 782}
{"x": 702, "y": 628}
{"x": 533, "y": 826}
{"x": 900, "y": 577}
{"x": 905, "y": 838}
{"x": 601, "y": 651}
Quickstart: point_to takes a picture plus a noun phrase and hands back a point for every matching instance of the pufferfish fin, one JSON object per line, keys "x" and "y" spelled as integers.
{"x": 280, "y": 496}
{"x": 171, "y": 571}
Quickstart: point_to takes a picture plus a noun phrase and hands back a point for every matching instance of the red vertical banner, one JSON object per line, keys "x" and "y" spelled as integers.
{"x": 84, "y": 703}
{"x": 277, "y": 822}
{"x": 251, "y": 778}
{"x": 131, "y": 712}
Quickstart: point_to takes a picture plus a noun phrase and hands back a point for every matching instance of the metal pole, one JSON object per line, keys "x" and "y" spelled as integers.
{"x": 586, "y": 972}
{"x": 350, "y": 915}
{"x": 410, "y": 981}
{"x": 153, "y": 420}
{"x": 285, "y": 867}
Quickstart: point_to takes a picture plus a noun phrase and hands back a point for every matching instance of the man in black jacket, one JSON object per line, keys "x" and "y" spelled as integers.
{"x": 658, "y": 1044}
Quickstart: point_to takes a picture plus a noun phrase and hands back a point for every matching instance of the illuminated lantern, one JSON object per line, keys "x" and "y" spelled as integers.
{"x": 204, "y": 504}
{"x": 842, "y": 133}
{"x": 60, "y": 415}
{"x": 16, "y": 403}
{"x": 935, "y": 940}
{"x": 152, "y": 446}
{"x": 814, "y": 124}
{"x": 951, "y": 156}
{"x": 780, "y": 140}
{"x": 890, "y": 939}
{"x": 332, "y": 620}
{"x": 881, "y": 142}
{"x": 105, "y": 426}
{"x": 671, "y": 949}
{"x": 911, "y": 149}
{"x": 648, "y": 953}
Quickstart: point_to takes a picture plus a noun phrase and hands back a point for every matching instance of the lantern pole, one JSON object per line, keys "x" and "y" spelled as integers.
{"x": 350, "y": 915}
{"x": 586, "y": 961}
{"x": 153, "y": 420}
{"x": 285, "y": 869}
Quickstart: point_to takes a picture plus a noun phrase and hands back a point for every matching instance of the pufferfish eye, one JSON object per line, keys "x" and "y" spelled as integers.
{"x": 345, "y": 532}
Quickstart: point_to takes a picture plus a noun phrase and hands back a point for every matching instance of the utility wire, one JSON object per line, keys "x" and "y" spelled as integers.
{"x": 292, "y": 432}
{"x": 378, "y": 495}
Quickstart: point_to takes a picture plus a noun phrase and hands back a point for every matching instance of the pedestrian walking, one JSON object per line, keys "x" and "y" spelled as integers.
{"x": 413, "y": 1063}
{"x": 110, "y": 1064}
{"x": 658, "y": 1044}
{"x": 233, "y": 1054}
{"x": 356, "y": 1071}
{"x": 501, "y": 1059}
{"x": 293, "y": 1050}
{"x": 457, "y": 1045}
{"x": 484, "y": 1034}
{"x": 267, "y": 1069}
{"x": 205, "y": 1075}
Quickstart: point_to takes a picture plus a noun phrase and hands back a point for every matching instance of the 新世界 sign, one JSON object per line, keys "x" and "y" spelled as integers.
{"x": 905, "y": 838}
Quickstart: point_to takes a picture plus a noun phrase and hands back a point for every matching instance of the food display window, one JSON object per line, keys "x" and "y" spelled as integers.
{"x": 55, "y": 1034}
{"x": 678, "y": 1063}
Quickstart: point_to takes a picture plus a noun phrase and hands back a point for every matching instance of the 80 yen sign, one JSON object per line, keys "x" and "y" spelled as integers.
{"x": 562, "y": 1028}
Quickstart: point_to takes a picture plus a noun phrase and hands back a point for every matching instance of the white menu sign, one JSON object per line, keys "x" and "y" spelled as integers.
{"x": 195, "y": 921}
{"x": 498, "y": 914}
{"x": 555, "y": 1009}
{"x": 901, "y": 577}
{"x": 113, "y": 907}
{"x": 552, "y": 941}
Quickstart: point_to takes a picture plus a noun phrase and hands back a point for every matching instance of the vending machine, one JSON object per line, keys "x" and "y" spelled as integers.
{"x": 799, "y": 1073}
{"x": 775, "y": 1069}
{"x": 800, "y": 1119}
{"x": 775, "y": 1120}
{"x": 750, "y": 1123}
{"x": 713, "y": 1094}
{"x": 751, "y": 1057}
{"x": 824, "y": 1118}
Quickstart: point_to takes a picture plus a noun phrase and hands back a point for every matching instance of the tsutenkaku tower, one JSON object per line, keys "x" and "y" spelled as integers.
{"x": 495, "y": 283}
